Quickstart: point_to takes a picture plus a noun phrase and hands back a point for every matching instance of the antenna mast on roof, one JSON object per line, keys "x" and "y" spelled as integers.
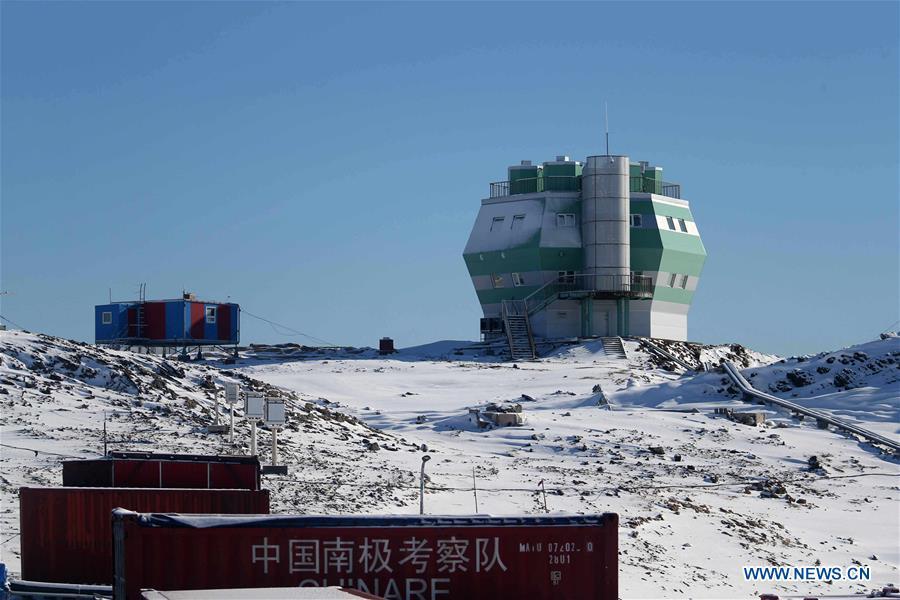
{"x": 606, "y": 118}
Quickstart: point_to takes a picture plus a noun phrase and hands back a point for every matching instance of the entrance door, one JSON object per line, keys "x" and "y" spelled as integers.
{"x": 600, "y": 323}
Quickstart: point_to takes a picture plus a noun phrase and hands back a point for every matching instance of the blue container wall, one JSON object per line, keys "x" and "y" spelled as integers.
{"x": 113, "y": 331}
{"x": 177, "y": 325}
{"x": 175, "y": 320}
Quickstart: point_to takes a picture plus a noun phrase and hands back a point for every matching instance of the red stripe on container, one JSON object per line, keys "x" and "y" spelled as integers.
{"x": 155, "y": 317}
{"x": 198, "y": 319}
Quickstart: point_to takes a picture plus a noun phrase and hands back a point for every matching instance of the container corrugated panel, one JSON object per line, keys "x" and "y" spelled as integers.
{"x": 87, "y": 473}
{"x": 223, "y": 322}
{"x": 117, "y": 326}
{"x": 67, "y": 535}
{"x": 129, "y": 470}
{"x": 175, "y": 320}
{"x": 155, "y": 318}
{"x": 472, "y": 558}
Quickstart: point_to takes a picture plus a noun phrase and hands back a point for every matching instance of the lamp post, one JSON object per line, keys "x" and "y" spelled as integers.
{"x": 425, "y": 459}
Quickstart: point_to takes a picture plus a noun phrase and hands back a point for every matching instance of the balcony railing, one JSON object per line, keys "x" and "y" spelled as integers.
{"x": 535, "y": 185}
{"x": 655, "y": 186}
{"x": 585, "y": 284}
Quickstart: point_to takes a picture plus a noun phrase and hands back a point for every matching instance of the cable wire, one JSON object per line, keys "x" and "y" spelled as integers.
{"x": 273, "y": 324}
{"x": 13, "y": 323}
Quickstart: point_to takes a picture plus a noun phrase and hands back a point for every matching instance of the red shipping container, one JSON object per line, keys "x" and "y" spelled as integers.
{"x": 145, "y": 470}
{"x": 468, "y": 558}
{"x": 66, "y": 532}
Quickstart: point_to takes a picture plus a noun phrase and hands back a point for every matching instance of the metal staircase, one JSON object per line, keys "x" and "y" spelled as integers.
{"x": 518, "y": 330}
{"x": 614, "y": 347}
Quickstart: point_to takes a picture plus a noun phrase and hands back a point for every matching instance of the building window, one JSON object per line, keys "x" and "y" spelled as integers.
{"x": 497, "y": 223}
{"x": 517, "y": 222}
{"x": 637, "y": 221}
{"x": 566, "y": 277}
{"x": 683, "y": 283}
{"x": 211, "y": 315}
{"x": 497, "y": 280}
{"x": 682, "y": 225}
{"x": 565, "y": 219}
{"x": 106, "y": 317}
{"x": 671, "y": 223}
{"x": 518, "y": 280}
{"x": 672, "y": 277}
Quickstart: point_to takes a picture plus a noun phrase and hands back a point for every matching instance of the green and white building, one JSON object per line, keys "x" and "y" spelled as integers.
{"x": 600, "y": 248}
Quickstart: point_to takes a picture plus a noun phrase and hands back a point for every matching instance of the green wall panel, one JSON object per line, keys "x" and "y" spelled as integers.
{"x": 495, "y": 295}
{"x": 645, "y": 259}
{"x": 673, "y": 240}
{"x": 677, "y": 295}
{"x": 673, "y": 261}
{"x": 561, "y": 259}
{"x": 524, "y": 260}
{"x": 516, "y": 260}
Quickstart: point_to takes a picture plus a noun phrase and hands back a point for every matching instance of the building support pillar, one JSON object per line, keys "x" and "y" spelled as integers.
{"x": 587, "y": 316}
{"x": 622, "y": 317}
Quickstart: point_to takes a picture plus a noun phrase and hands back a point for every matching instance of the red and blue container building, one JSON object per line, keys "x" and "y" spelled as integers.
{"x": 182, "y": 322}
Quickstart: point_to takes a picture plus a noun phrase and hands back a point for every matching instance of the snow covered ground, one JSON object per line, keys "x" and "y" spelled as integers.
{"x": 699, "y": 496}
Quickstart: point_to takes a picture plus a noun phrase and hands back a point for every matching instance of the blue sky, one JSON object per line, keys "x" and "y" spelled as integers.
{"x": 322, "y": 164}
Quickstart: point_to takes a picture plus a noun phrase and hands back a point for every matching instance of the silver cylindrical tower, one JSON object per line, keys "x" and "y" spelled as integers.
{"x": 605, "y": 234}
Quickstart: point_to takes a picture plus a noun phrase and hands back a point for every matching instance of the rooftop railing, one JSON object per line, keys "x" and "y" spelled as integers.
{"x": 533, "y": 185}
{"x": 655, "y": 186}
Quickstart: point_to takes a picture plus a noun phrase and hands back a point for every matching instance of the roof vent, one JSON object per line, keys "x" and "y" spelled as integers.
{"x": 526, "y": 163}
{"x": 562, "y": 159}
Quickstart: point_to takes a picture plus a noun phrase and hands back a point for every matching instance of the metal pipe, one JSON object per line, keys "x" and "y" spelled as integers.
{"x": 274, "y": 446}
{"x": 231, "y": 427}
{"x": 425, "y": 459}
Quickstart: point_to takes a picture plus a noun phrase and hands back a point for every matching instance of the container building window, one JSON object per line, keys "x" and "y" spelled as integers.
{"x": 518, "y": 280}
{"x": 683, "y": 283}
{"x": 211, "y": 315}
{"x": 106, "y": 317}
{"x": 565, "y": 219}
{"x": 497, "y": 223}
{"x": 671, "y": 223}
{"x": 637, "y": 221}
{"x": 517, "y": 222}
{"x": 682, "y": 225}
{"x": 497, "y": 280}
{"x": 672, "y": 277}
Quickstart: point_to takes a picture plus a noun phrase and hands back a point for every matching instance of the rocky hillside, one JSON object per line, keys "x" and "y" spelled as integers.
{"x": 55, "y": 394}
